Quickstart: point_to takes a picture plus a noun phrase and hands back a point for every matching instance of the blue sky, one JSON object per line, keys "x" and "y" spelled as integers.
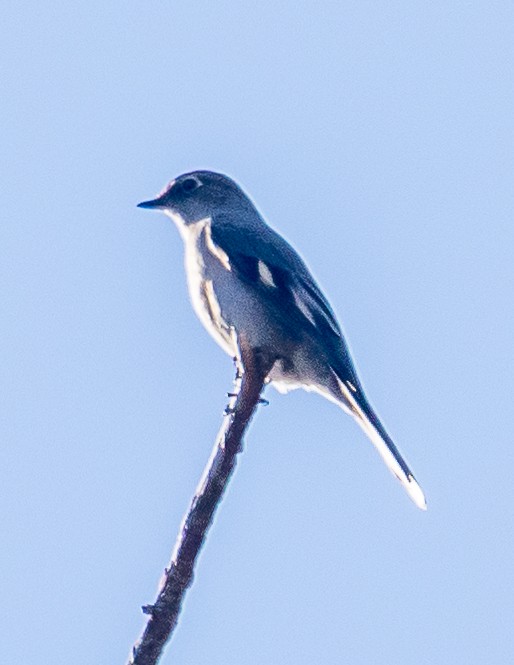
{"x": 378, "y": 138}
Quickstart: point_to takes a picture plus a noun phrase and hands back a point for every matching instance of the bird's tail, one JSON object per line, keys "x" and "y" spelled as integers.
{"x": 367, "y": 419}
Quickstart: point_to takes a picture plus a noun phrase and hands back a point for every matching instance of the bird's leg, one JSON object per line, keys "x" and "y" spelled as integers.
{"x": 239, "y": 368}
{"x": 260, "y": 361}
{"x": 229, "y": 409}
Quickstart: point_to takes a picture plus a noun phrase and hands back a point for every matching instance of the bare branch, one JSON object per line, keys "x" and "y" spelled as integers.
{"x": 179, "y": 575}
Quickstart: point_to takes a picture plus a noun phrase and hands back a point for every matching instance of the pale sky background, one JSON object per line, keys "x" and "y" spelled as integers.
{"x": 378, "y": 138}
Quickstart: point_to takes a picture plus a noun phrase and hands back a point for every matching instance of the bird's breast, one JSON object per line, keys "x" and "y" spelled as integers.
{"x": 203, "y": 269}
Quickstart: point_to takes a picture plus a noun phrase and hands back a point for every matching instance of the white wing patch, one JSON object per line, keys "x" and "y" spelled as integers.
{"x": 309, "y": 308}
{"x": 303, "y": 307}
{"x": 213, "y": 305}
{"x": 265, "y": 275}
{"x": 215, "y": 250}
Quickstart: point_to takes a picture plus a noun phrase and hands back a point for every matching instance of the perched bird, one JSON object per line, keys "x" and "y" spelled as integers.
{"x": 244, "y": 278}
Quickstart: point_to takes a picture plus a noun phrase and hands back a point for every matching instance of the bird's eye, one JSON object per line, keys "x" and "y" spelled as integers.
{"x": 189, "y": 185}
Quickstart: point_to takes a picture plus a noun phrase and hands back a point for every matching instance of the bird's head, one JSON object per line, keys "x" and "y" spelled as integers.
{"x": 197, "y": 195}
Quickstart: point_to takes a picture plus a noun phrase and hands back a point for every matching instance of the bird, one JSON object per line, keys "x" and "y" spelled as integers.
{"x": 244, "y": 278}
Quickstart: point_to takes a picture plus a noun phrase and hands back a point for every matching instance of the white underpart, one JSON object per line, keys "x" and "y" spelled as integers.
{"x": 284, "y": 385}
{"x": 408, "y": 481}
{"x": 194, "y": 270}
{"x": 265, "y": 274}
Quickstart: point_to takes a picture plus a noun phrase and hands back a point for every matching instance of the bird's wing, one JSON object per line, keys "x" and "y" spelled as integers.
{"x": 267, "y": 263}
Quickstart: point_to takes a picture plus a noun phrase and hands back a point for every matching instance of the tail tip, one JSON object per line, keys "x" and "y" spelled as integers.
{"x": 416, "y": 493}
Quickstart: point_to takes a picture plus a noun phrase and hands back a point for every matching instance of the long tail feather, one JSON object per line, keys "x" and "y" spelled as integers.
{"x": 375, "y": 431}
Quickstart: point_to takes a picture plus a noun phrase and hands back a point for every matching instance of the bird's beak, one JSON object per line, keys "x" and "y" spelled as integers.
{"x": 157, "y": 203}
